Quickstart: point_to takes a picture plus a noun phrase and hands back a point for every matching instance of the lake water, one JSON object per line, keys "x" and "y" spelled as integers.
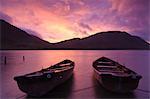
{"x": 82, "y": 84}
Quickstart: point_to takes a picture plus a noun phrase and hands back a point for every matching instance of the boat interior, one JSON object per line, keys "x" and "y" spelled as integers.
{"x": 106, "y": 66}
{"x": 62, "y": 66}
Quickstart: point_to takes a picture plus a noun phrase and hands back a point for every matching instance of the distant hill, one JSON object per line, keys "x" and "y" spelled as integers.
{"x": 15, "y": 38}
{"x": 106, "y": 40}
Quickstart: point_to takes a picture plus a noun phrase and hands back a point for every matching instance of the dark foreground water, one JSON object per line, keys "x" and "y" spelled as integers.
{"x": 82, "y": 84}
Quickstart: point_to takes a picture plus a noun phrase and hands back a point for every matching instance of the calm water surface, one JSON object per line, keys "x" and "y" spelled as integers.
{"x": 82, "y": 84}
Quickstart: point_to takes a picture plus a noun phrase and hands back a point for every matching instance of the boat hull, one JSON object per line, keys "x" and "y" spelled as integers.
{"x": 115, "y": 83}
{"x": 40, "y": 87}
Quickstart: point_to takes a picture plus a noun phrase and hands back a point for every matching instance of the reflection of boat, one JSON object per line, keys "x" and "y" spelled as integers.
{"x": 115, "y": 77}
{"x": 40, "y": 82}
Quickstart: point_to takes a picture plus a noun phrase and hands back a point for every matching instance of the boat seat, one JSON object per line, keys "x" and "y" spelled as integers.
{"x": 35, "y": 74}
{"x": 115, "y": 71}
{"x": 103, "y": 66}
{"x": 59, "y": 70}
{"x": 118, "y": 73}
{"x": 68, "y": 64}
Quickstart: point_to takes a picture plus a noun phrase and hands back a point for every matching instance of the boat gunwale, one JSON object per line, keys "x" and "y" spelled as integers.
{"x": 130, "y": 72}
{"x": 46, "y": 69}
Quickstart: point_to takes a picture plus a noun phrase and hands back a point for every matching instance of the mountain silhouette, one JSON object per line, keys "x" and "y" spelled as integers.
{"x": 15, "y": 38}
{"x": 106, "y": 40}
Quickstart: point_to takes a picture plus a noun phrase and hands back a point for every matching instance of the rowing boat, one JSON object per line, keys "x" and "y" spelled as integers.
{"x": 41, "y": 82}
{"x": 114, "y": 76}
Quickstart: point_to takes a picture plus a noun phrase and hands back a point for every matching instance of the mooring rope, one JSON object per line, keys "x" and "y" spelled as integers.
{"x": 147, "y": 91}
{"x": 21, "y": 96}
{"x": 83, "y": 89}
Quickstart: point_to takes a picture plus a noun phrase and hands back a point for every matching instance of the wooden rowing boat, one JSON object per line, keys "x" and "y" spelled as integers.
{"x": 40, "y": 82}
{"x": 114, "y": 76}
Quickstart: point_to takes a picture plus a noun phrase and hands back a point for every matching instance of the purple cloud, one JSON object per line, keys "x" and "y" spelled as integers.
{"x": 85, "y": 26}
{"x": 32, "y": 32}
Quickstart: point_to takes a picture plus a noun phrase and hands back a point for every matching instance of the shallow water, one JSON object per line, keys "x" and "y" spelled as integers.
{"x": 82, "y": 84}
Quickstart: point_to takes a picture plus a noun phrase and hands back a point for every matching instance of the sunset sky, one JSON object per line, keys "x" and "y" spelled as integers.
{"x": 57, "y": 20}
